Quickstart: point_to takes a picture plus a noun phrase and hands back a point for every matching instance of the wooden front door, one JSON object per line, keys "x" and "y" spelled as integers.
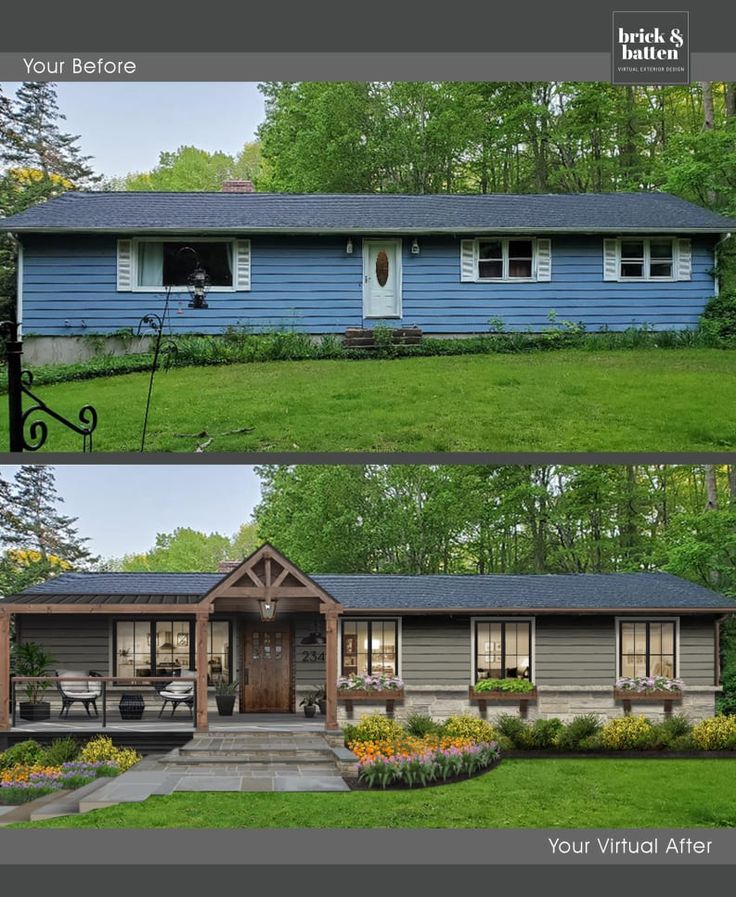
{"x": 266, "y": 669}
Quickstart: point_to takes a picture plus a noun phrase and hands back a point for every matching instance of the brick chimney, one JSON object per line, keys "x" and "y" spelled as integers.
{"x": 227, "y": 566}
{"x": 238, "y": 187}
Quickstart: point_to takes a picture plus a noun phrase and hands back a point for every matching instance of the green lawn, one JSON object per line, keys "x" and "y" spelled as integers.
{"x": 518, "y": 794}
{"x": 569, "y": 400}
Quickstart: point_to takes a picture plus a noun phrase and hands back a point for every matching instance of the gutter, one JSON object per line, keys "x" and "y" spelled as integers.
{"x": 358, "y": 231}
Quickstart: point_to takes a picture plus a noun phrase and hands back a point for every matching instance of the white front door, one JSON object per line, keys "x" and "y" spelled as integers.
{"x": 382, "y": 278}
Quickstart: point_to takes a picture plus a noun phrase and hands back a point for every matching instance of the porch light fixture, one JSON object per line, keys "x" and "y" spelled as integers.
{"x": 198, "y": 284}
{"x": 267, "y": 609}
{"x": 349, "y": 247}
{"x": 415, "y": 246}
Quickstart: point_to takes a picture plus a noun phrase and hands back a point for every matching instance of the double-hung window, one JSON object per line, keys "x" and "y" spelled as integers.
{"x": 647, "y": 259}
{"x": 370, "y": 648}
{"x": 503, "y": 649}
{"x": 152, "y": 264}
{"x": 647, "y": 648}
{"x": 502, "y": 259}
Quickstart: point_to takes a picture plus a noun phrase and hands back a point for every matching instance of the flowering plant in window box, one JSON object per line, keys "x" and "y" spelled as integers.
{"x": 648, "y": 688}
{"x": 517, "y": 690}
{"x": 367, "y": 687}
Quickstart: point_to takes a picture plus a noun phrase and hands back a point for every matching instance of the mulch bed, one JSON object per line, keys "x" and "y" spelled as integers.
{"x": 356, "y": 784}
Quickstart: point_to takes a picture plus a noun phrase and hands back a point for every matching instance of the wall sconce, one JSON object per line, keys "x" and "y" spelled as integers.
{"x": 415, "y": 246}
{"x": 267, "y": 609}
{"x": 349, "y": 247}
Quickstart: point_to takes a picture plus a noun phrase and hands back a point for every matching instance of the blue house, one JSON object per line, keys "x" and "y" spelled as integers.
{"x": 96, "y": 262}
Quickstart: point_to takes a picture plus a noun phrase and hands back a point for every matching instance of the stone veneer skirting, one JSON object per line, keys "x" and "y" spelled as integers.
{"x": 561, "y": 701}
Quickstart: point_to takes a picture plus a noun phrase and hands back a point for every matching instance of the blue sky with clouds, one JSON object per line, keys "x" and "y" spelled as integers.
{"x": 122, "y": 507}
{"x": 126, "y": 125}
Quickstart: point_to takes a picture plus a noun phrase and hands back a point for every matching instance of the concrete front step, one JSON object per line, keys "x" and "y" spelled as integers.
{"x": 67, "y": 804}
{"x": 260, "y": 758}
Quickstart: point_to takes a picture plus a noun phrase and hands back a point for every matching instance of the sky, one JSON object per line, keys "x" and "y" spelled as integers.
{"x": 125, "y": 126}
{"x": 121, "y": 508}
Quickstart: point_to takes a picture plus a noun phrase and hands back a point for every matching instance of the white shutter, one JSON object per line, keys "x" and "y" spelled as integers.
{"x": 610, "y": 259}
{"x": 242, "y": 265}
{"x": 467, "y": 260}
{"x": 125, "y": 265}
{"x": 544, "y": 259}
{"x": 684, "y": 260}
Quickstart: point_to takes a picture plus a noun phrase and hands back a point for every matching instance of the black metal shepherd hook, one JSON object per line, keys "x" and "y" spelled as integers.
{"x": 19, "y": 384}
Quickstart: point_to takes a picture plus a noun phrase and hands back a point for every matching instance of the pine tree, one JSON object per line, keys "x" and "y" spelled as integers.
{"x": 37, "y": 539}
{"x": 41, "y": 145}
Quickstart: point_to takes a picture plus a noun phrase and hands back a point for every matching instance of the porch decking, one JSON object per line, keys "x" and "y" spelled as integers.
{"x": 180, "y": 722}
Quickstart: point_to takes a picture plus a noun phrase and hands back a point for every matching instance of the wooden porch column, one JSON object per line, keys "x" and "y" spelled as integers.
{"x": 331, "y": 618}
{"x": 4, "y": 672}
{"x": 200, "y": 661}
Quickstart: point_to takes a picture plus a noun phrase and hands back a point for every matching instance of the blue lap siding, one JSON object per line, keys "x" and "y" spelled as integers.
{"x": 311, "y": 284}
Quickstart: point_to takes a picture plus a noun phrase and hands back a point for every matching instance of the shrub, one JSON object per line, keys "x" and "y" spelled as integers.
{"x": 504, "y": 743}
{"x": 542, "y": 733}
{"x": 374, "y": 727}
{"x": 470, "y": 727}
{"x": 627, "y": 733}
{"x": 511, "y": 727}
{"x": 102, "y": 750}
{"x": 669, "y": 730}
{"x": 682, "y": 743}
{"x": 719, "y": 316}
{"x": 420, "y": 724}
{"x": 591, "y": 743}
{"x": 61, "y": 750}
{"x": 25, "y": 753}
{"x": 577, "y": 730}
{"x": 715, "y": 734}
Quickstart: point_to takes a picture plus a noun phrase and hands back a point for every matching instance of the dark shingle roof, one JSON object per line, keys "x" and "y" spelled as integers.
{"x": 365, "y": 213}
{"x": 589, "y": 591}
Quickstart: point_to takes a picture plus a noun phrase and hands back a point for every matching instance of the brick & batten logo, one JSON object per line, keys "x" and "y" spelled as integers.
{"x": 651, "y": 48}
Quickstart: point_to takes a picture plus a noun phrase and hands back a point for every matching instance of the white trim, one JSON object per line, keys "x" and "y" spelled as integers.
{"x": 174, "y": 238}
{"x": 398, "y": 253}
{"x": 647, "y": 619}
{"x": 505, "y": 240}
{"x": 502, "y": 619}
{"x": 373, "y": 619}
{"x": 19, "y": 291}
{"x": 646, "y": 262}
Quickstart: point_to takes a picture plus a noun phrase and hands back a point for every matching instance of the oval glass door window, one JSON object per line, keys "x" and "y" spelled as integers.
{"x": 382, "y": 268}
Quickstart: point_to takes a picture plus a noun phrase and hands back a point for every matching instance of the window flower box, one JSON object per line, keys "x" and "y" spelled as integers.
{"x": 495, "y": 695}
{"x": 388, "y": 689}
{"x": 649, "y": 690}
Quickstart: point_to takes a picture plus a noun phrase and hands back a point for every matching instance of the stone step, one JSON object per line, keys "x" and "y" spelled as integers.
{"x": 257, "y": 758}
{"x": 67, "y": 804}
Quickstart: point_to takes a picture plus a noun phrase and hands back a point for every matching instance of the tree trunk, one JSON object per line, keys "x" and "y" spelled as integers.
{"x": 732, "y": 481}
{"x": 731, "y": 100}
{"x": 711, "y": 503}
{"x": 708, "y": 116}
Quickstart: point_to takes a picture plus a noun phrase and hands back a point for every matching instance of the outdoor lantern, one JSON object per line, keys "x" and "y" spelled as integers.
{"x": 198, "y": 284}
{"x": 267, "y": 608}
{"x": 349, "y": 247}
{"x": 415, "y": 246}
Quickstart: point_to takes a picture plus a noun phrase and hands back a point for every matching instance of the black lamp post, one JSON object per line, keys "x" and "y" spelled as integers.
{"x": 19, "y": 385}
{"x": 198, "y": 284}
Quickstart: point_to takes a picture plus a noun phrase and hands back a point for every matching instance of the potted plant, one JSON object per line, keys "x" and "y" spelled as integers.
{"x": 225, "y": 693}
{"x": 31, "y": 660}
{"x": 309, "y": 703}
{"x": 320, "y": 696}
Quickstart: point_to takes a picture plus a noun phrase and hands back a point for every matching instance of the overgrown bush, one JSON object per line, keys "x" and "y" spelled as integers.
{"x": 420, "y": 724}
{"x": 25, "y": 753}
{"x": 715, "y": 734}
{"x": 719, "y": 316}
{"x": 373, "y": 727}
{"x": 571, "y": 736}
{"x": 468, "y": 727}
{"x": 628, "y": 733}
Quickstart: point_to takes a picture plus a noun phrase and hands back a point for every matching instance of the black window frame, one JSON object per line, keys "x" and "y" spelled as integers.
{"x": 370, "y": 621}
{"x": 503, "y": 623}
{"x": 152, "y": 622}
{"x": 648, "y": 622}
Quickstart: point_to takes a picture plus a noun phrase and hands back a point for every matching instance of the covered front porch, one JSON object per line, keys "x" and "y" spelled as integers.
{"x": 264, "y": 626}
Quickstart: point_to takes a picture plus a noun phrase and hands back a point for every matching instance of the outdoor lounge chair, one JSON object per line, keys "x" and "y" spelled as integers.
{"x": 176, "y": 693}
{"x": 86, "y": 693}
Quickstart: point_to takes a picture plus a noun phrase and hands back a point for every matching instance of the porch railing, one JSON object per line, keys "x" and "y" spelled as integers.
{"x": 112, "y": 681}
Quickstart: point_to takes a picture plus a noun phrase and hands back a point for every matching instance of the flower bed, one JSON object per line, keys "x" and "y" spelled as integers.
{"x": 422, "y": 761}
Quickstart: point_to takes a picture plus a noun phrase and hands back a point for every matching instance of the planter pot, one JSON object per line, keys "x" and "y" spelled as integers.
{"x": 132, "y": 705}
{"x": 354, "y": 694}
{"x": 34, "y": 712}
{"x": 521, "y": 699}
{"x": 322, "y": 707}
{"x": 225, "y": 704}
{"x": 310, "y": 710}
{"x": 625, "y": 694}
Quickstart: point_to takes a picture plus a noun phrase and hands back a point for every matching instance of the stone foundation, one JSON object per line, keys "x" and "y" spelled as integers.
{"x": 561, "y": 701}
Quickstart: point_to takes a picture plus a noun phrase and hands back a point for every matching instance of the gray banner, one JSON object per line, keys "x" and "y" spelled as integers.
{"x": 428, "y": 847}
{"x": 309, "y": 66}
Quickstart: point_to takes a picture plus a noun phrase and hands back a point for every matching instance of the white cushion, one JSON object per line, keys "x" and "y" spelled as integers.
{"x": 179, "y": 687}
{"x": 177, "y": 695}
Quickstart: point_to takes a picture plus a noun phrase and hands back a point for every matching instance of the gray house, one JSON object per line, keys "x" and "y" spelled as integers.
{"x": 280, "y": 633}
